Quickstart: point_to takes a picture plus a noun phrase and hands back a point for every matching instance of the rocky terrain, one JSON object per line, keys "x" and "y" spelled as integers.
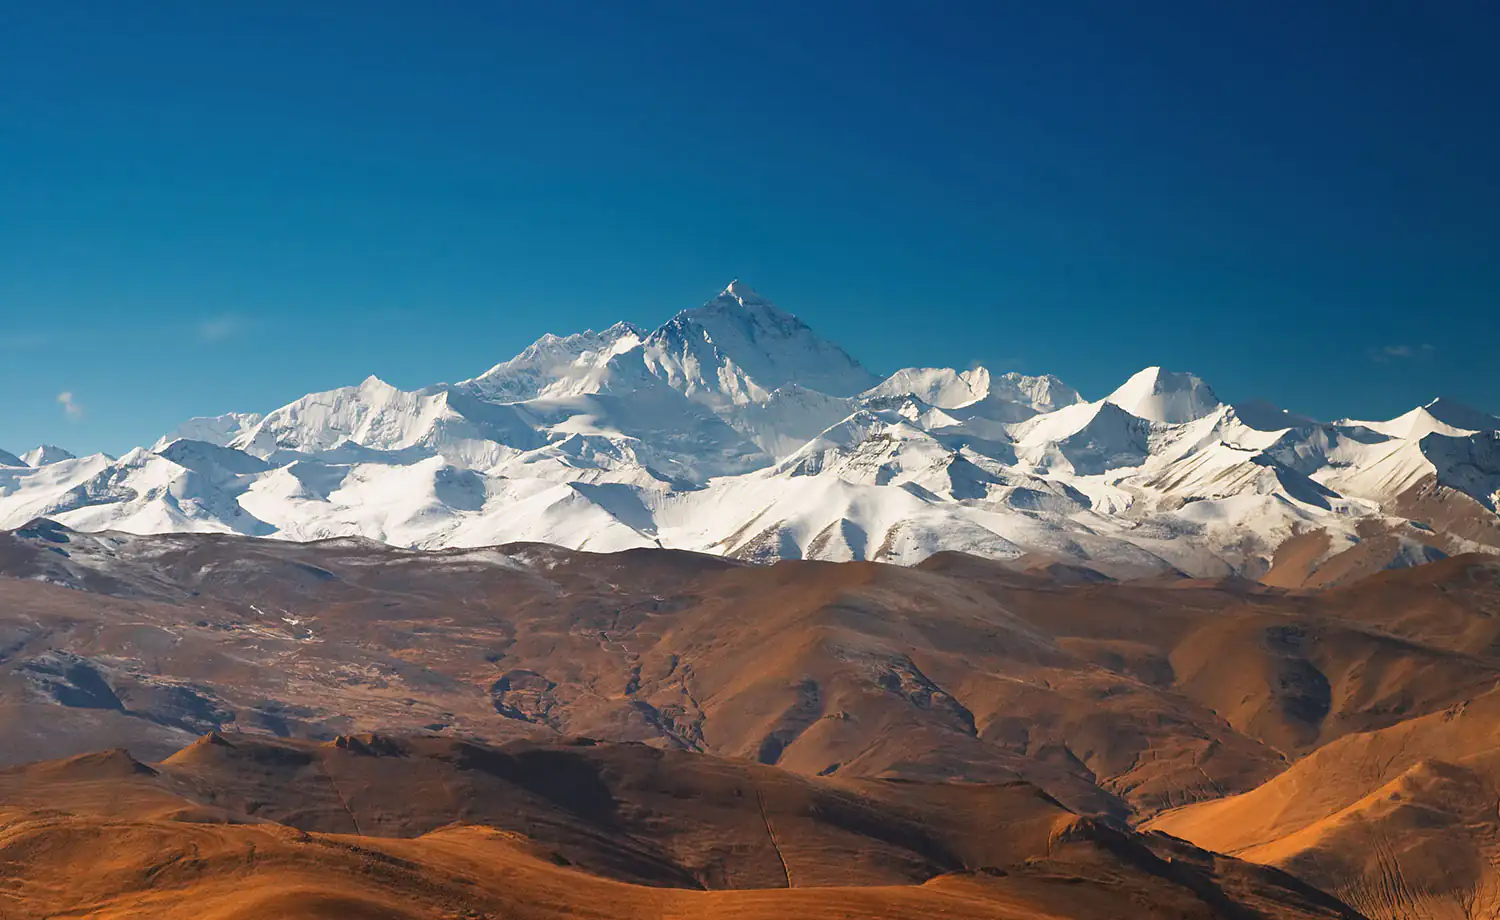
{"x": 1342, "y": 735}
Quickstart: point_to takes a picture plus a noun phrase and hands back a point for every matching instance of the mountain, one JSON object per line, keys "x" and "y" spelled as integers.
{"x": 975, "y": 393}
{"x": 220, "y": 429}
{"x": 1267, "y": 416}
{"x": 942, "y": 387}
{"x": 423, "y": 828}
{"x": 10, "y": 459}
{"x": 347, "y": 728}
{"x": 45, "y": 454}
{"x": 1398, "y": 820}
{"x": 556, "y": 365}
{"x": 738, "y": 348}
{"x": 1163, "y": 396}
{"x": 734, "y": 428}
{"x": 1441, "y": 416}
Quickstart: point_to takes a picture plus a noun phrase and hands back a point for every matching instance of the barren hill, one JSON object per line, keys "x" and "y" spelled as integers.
{"x": 874, "y": 708}
{"x": 390, "y": 827}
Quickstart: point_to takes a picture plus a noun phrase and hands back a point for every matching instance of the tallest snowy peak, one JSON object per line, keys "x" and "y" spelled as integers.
{"x": 739, "y": 347}
{"x": 684, "y": 437}
{"x": 743, "y": 293}
{"x": 740, "y": 298}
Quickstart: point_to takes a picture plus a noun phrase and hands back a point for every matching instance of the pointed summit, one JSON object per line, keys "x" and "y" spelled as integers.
{"x": 743, "y": 293}
{"x": 1452, "y": 412}
{"x": 45, "y": 455}
{"x": 1165, "y": 396}
{"x": 739, "y": 347}
{"x": 1442, "y": 416}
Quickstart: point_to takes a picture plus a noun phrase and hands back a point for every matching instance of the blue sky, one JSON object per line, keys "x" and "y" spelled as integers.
{"x": 211, "y": 207}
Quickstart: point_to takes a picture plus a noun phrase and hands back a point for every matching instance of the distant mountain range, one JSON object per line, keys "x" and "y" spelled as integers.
{"x": 735, "y": 429}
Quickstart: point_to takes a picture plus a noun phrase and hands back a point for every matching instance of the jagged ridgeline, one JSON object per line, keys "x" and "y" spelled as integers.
{"x": 735, "y": 429}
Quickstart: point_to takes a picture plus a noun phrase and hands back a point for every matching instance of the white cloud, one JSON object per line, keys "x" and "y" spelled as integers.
{"x": 70, "y": 406}
{"x": 219, "y": 328}
{"x": 1391, "y": 353}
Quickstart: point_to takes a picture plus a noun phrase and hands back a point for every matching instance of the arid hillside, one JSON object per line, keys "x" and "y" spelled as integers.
{"x": 388, "y": 827}
{"x": 873, "y": 731}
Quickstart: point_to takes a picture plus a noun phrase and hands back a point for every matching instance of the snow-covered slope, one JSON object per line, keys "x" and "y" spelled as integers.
{"x": 943, "y": 387}
{"x": 1164, "y": 396}
{"x": 1044, "y": 393}
{"x": 1441, "y": 416}
{"x": 219, "y": 429}
{"x": 43, "y": 454}
{"x": 734, "y": 428}
{"x": 556, "y": 366}
{"x": 1267, "y": 416}
{"x": 1010, "y": 397}
{"x": 738, "y": 348}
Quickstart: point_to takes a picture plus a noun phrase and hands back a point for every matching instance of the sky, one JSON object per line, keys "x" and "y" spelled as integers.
{"x": 208, "y": 207}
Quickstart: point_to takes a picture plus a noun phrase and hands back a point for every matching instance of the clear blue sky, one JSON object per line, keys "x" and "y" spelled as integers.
{"x": 217, "y": 206}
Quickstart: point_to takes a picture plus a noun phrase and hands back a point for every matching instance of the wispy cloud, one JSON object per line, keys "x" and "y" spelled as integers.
{"x": 70, "y": 405}
{"x": 24, "y": 341}
{"x": 1389, "y": 353}
{"x": 220, "y": 328}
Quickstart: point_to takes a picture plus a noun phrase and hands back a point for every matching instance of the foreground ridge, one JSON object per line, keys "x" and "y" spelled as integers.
{"x": 237, "y": 826}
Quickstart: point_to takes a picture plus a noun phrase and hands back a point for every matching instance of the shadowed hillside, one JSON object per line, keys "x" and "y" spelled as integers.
{"x": 867, "y": 711}
{"x": 377, "y": 826}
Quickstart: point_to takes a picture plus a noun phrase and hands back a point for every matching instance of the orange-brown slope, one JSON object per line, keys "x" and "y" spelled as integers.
{"x": 1115, "y": 698}
{"x": 1400, "y": 821}
{"x": 866, "y": 669}
{"x": 1121, "y": 699}
{"x": 1450, "y": 604}
{"x": 106, "y": 836}
{"x": 860, "y": 669}
{"x": 1288, "y": 671}
{"x": 1311, "y": 560}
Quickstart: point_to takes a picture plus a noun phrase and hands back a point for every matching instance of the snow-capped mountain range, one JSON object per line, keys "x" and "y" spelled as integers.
{"x": 735, "y": 429}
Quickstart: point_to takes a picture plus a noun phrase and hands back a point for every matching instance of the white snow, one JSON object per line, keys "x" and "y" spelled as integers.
{"x": 44, "y": 454}
{"x": 1441, "y": 416}
{"x": 942, "y": 387}
{"x": 735, "y": 429}
{"x": 1165, "y": 396}
{"x": 220, "y": 429}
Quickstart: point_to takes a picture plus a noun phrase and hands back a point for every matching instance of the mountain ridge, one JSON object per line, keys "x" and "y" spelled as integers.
{"x": 735, "y": 428}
